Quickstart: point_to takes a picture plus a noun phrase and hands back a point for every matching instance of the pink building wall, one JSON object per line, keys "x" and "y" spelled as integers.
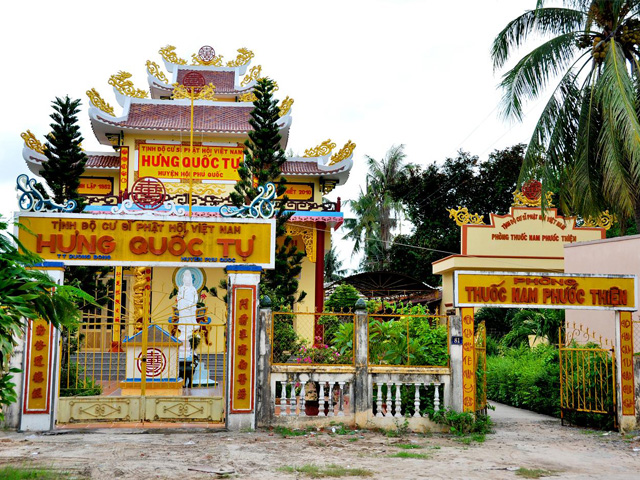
{"x": 619, "y": 255}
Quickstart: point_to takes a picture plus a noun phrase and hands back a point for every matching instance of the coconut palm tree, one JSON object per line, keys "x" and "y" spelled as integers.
{"x": 377, "y": 214}
{"x": 587, "y": 139}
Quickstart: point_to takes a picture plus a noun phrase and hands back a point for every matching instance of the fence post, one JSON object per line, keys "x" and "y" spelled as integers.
{"x": 453, "y": 397}
{"x": 264, "y": 410}
{"x": 362, "y": 394}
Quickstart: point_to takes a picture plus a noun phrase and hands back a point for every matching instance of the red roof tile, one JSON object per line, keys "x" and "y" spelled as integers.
{"x": 169, "y": 116}
{"x": 296, "y": 167}
{"x": 223, "y": 81}
{"x": 103, "y": 161}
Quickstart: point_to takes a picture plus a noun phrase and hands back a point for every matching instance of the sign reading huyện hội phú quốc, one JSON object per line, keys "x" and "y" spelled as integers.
{"x": 169, "y": 161}
{"x": 147, "y": 240}
{"x": 544, "y": 290}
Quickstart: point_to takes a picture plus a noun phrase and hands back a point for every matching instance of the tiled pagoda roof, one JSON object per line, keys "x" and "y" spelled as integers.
{"x": 169, "y": 116}
{"x": 301, "y": 167}
{"x": 223, "y": 81}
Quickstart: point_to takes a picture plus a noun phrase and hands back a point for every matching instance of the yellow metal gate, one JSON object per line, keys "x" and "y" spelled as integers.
{"x": 103, "y": 377}
{"x": 587, "y": 375}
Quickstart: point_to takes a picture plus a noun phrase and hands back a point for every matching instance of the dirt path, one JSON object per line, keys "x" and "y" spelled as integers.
{"x": 521, "y": 439}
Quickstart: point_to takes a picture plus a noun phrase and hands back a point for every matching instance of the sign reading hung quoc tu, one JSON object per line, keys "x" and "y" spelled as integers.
{"x": 80, "y": 239}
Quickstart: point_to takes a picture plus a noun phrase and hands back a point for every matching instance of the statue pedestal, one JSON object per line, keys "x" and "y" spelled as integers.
{"x": 162, "y": 363}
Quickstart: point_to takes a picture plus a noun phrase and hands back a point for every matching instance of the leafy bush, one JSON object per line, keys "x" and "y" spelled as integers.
{"x": 319, "y": 354}
{"x": 530, "y": 378}
{"x": 285, "y": 338}
{"x": 72, "y": 383}
{"x": 343, "y": 339}
{"x": 330, "y": 324}
{"x": 461, "y": 423}
{"x": 343, "y": 299}
{"x": 526, "y": 378}
{"x": 408, "y": 340}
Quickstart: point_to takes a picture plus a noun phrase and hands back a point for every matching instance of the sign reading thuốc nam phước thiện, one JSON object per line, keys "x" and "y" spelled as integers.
{"x": 544, "y": 290}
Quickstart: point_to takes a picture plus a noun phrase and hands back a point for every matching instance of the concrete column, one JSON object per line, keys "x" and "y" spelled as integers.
{"x": 362, "y": 386}
{"x": 263, "y": 377}
{"x": 454, "y": 397}
{"x": 39, "y": 384}
{"x": 242, "y": 346}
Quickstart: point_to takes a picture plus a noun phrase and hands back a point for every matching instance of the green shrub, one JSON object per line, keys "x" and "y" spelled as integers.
{"x": 73, "y": 383}
{"x": 526, "y": 378}
{"x": 343, "y": 299}
{"x": 461, "y": 423}
{"x": 407, "y": 340}
{"x": 285, "y": 338}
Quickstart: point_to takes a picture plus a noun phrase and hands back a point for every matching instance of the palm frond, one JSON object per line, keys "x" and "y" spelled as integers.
{"x": 542, "y": 21}
{"x": 531, "y": 74}
{"x": 616, "y": 91}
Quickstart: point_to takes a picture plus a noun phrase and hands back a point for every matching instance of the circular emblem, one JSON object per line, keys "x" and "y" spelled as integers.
{"x": 206, "y": 53}
{"x": 156, "y": 362}
{"x": 148, "y": 193}
{"x": 532, "y": 189}
{"x": 197, "y": 275}
{"x": 194, "y": 80}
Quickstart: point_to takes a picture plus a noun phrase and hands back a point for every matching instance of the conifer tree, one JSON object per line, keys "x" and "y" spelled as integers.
{"x": 263, "y": 162}
{"x": 65, "y": 158}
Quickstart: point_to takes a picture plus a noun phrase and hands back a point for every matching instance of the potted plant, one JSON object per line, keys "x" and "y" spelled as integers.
{"x": 311, "y": 406}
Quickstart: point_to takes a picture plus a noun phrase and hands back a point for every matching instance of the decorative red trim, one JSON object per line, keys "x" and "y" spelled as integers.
{"x": 318, "y": 330}
{"x": 233, "y": 349}
{"x": 27, "y": 372}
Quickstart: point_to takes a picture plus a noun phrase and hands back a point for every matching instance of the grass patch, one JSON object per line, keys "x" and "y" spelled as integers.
{"x": 21, "y": 473}
{"x": 533, "y": 472}
{"x": 332, "y": 470}
{"x": 341, "y": 429}
{"x": 409, "y": 455}
{"x": 407, "y": 446}
{"x": 287, "y": 432}
{"x": 353, "y": 439}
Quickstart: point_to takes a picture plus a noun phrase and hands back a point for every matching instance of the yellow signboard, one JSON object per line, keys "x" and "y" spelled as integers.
{"x": 524, "y": 232}
{"x": 38, "y": 367}
{"x": 544, "y": 290}
{"x": 95, "y": 186}
{"x": 242, "y": 349}
{"x": 124, "y": 169}
{"x": 299, "y": 191}
{"x": 176, "y": 161}
{"x": 148, "y": 240}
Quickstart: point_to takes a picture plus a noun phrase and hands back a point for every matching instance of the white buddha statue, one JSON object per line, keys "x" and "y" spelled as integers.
{"x": 187, "y": 300}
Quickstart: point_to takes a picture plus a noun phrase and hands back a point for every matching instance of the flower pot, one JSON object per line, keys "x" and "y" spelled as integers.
{"x": 311, "y": 408}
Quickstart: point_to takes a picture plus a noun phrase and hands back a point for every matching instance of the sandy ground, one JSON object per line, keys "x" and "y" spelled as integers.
{"x": 521, "y": 439}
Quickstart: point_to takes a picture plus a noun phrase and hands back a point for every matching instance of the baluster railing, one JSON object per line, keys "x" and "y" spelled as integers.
{"x": 389, "y": 404}
{"x": 341, "y": 404}
{"x": 321, "y": 400}
{"x": 292, "y": 401}
{"x": 379, "y": 400}
{"x": 303, "y": 391}
{"x": 331, "y": 412}
{"x": 436, "y": 396}
{"x": 416, "y": 400}
{"x": 398, "y": 401}
{"x": 283, "y": 399}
